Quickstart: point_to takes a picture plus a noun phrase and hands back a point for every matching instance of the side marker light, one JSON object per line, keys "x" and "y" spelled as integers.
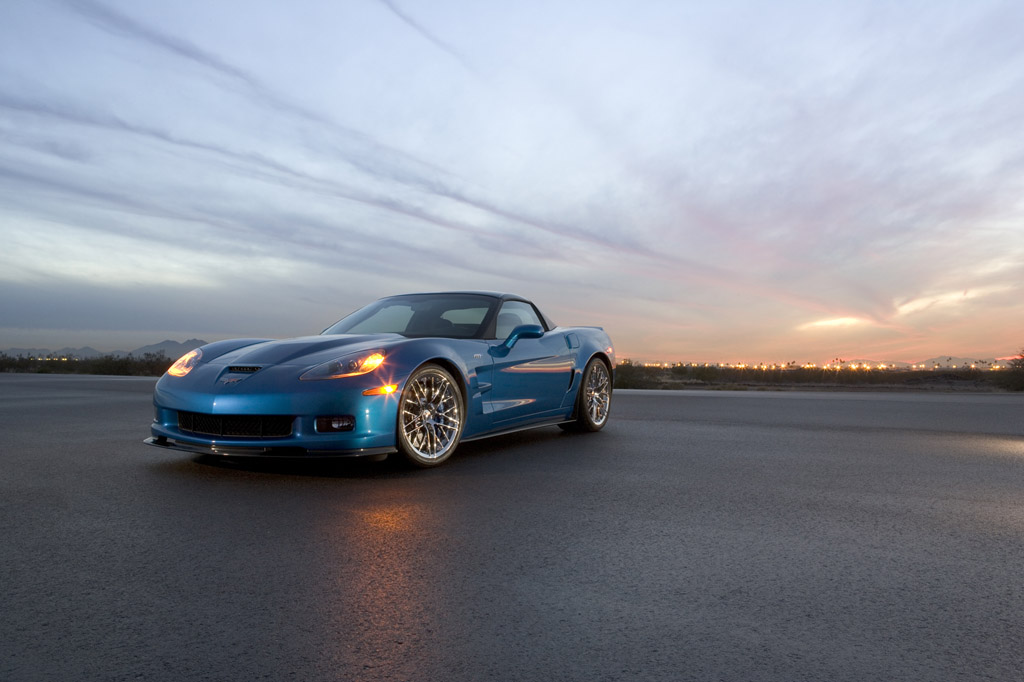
{"x": 381, "y": 390}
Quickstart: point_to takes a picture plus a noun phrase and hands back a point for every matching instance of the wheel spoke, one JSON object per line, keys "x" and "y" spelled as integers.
{"x": 430, "y": 446}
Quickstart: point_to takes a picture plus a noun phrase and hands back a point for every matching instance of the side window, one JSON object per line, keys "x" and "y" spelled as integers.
{"x": 513, "y": 314}
{"x": 465, "y": 321}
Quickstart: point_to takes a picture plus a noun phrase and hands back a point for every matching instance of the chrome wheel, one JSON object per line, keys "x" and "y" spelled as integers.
{"x": 594, "y": 399}
{"x": 597, "y": 396}
{"x": 430, "y": 416}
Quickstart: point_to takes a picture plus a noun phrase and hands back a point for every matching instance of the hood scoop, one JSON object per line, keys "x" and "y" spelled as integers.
{"x": 244, "y": 369}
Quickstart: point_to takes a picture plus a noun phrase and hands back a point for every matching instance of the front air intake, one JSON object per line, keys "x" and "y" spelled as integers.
{"x": 236, "y": 425}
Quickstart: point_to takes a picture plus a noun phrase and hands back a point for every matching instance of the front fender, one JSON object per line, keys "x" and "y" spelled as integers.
{"x": 465, "y": 356}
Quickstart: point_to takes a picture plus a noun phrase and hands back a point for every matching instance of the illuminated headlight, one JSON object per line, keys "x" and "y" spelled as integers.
{"x": 346, "y": 366}
{"x": 185, "y": 363}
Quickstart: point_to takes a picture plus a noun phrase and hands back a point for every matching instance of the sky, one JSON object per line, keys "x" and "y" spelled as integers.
{"x": 717, "y": 181}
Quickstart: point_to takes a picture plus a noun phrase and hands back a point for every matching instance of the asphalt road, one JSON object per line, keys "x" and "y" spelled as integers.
{"x": 700, "y": 536}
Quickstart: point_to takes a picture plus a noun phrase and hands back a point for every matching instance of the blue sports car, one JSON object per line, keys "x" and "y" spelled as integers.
{"x": 414, "y": 374}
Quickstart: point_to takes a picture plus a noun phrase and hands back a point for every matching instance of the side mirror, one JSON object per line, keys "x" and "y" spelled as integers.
{"x": 523, "y": 331}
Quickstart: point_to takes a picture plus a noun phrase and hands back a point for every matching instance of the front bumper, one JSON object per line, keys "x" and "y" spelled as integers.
{"x": 374, "y": 417}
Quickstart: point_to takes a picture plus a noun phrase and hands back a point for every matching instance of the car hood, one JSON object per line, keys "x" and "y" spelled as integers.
{"x": 306, "y": 350}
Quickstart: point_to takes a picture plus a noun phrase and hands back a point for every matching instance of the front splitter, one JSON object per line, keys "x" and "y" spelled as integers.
{"x": 289, "y": 453}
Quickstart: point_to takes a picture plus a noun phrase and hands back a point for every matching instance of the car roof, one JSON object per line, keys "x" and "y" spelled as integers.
{"x": 489, "y": 294}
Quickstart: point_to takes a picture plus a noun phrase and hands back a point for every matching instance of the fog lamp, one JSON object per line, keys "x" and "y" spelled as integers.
{"x": 335, "y": 423}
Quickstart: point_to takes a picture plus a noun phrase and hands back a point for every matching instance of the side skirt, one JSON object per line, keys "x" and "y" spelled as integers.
{"x": 515, "y": 429}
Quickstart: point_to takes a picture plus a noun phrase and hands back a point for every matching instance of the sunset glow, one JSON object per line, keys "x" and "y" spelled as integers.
{"x": 707, "y": 181}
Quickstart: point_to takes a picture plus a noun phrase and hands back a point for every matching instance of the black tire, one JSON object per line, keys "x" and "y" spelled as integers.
{"x": 594, "y": 400}
{"x": 431, "y": 416}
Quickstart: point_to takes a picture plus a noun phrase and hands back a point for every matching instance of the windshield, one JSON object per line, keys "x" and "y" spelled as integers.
{"x": 452, "y": 316}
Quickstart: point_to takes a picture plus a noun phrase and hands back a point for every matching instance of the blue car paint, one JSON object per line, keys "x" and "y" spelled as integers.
{"x": 533, "y": 382}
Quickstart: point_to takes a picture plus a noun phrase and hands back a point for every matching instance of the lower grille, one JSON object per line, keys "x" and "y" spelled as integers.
{"x": 242, "y": 425}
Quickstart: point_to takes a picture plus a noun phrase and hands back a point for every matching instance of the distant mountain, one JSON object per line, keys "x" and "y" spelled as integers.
{"x": 950, "y": 361}
{"x": 943, "y": 361}
{"x": 171, "y": 349}
{"x": 27, "y": 352}
{"x": 861, "y": 362}
{"x": 85, "y": 352}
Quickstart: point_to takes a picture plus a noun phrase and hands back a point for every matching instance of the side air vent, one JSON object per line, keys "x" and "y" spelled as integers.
{"x": 244, "y": 369}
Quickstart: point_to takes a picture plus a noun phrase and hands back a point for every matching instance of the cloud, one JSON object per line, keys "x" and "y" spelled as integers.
{"x": 423, "y": 32}
{"x": 834, "y": 323}
{"x": 954, "y": 298}
{"x": 354, "y": 146}
{"x": 121, "y": 24}
{"x": 698, "y": 178}
{"x": 253, "y": 165}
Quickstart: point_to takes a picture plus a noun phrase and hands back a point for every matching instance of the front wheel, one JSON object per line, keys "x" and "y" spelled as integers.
{"x": 430, "y": 416}
{"x": 594, "y": 399}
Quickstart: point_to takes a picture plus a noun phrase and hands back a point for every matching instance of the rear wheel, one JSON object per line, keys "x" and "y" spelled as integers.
{"x": 430, "y": 416}
{"x": 594, "y": 399}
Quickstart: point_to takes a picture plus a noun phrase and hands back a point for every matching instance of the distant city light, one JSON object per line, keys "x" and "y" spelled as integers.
{"x": 836, "y": 365}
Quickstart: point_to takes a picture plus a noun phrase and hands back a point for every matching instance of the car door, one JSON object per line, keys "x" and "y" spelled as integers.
{"x": 531, "y": 378}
